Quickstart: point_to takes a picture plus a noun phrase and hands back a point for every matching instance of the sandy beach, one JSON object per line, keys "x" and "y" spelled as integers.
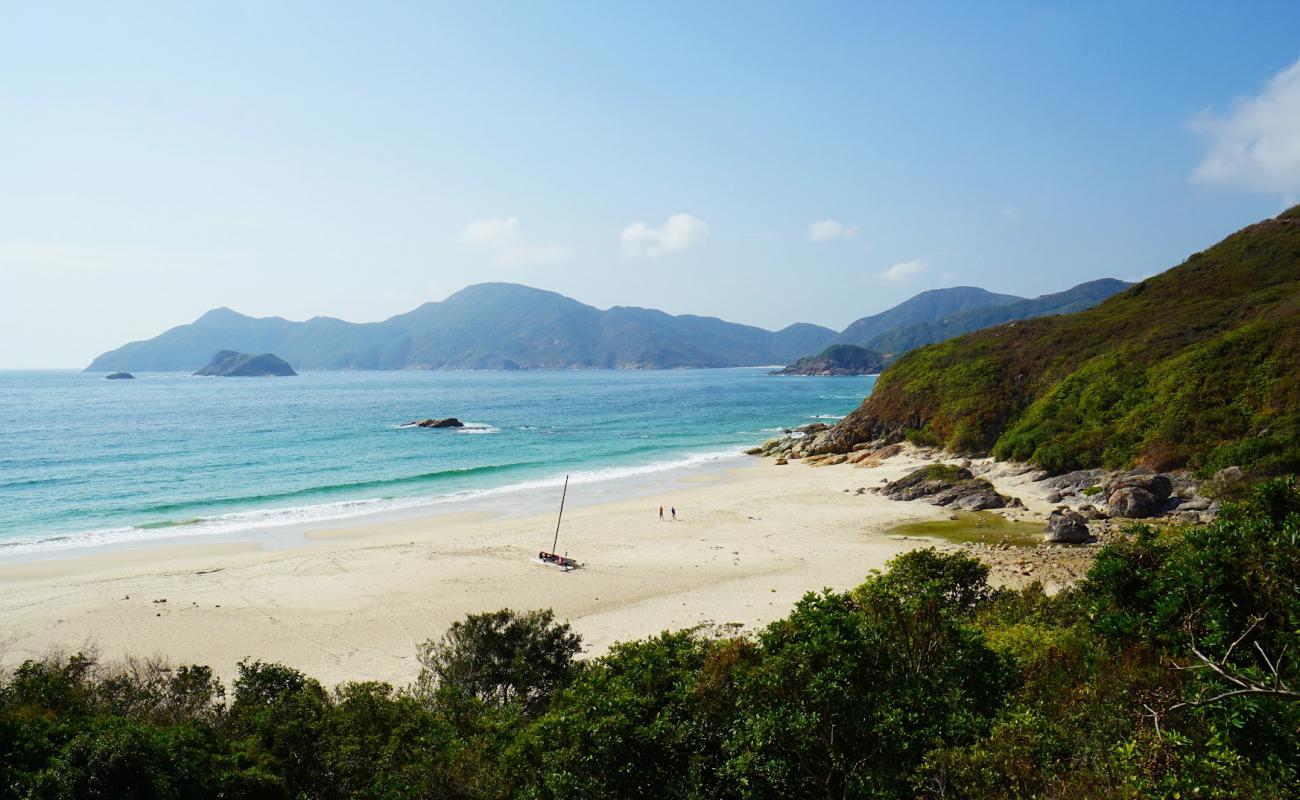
{"x": 354, "y": 603}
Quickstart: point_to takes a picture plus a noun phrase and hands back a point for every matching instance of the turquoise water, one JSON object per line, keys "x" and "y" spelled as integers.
{"x": 86, "y": 461}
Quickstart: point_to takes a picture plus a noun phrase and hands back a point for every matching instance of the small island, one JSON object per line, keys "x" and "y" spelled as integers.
{"x": 838, "y": 359}
{"x": 229, "y": 364}
{"x": 120, "y": 376}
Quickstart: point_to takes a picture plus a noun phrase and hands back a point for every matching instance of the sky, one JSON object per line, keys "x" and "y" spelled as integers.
{"x": 767, "y": 163}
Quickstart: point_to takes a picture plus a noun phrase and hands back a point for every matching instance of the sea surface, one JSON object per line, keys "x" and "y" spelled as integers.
{"x": 86, "y": 461}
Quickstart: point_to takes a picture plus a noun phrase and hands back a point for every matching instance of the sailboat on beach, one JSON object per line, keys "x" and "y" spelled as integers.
{"x": 552, "y": 558}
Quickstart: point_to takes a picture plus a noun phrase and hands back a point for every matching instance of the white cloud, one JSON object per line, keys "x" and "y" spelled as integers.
{"x": 501, "y": 235}
{"x": 904, "y": 271}
{"x": 680, "y": 232}
{"x": 827, "y": 229}
{"x": 1256, "y": 142}
{"x": 494, "y": 233}
{"x": 1010, "y": 213}
{"x": 533, "y": 254}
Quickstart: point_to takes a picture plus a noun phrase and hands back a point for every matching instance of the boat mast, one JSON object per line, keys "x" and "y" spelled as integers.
{"x": 561, "y": 516}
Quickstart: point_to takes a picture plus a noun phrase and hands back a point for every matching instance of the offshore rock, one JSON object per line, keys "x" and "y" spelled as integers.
{"x": 120, "y": 376}
{"x": 449, "y": 422}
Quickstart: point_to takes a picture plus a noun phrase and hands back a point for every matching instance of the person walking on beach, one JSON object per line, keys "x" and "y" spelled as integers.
{"x": 674, "y": 513}
{"x": 661, "y": 513}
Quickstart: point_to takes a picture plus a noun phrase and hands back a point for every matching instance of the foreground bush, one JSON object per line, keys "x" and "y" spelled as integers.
{"x": 1167, "y": 673}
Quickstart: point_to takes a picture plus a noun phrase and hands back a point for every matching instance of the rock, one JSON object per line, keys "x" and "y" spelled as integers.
{"x": 827, "y": 460}
{"x": 812, "y": 428}
{"x": 974, "y": 495}
{"x": 1195, "y": 504}
{"x": 449, "y": 422}
{"x": 1075, "y": 482}
{"x": 120, "y": 376}
{"x": 946, "y": 485}
{"x": 229, "y": 364}
{"x": 1066, "y": 527}
{"x": 1227, "y": 483}
{"x": 1160, "y": 486}
{"x": 1133, "y": 502}
{"x": 1053, "y": 497}
{"x": 754, "y": 451}
{"x": 781, "y": 462}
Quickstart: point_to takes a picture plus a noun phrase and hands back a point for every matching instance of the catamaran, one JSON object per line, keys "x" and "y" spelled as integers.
{"x": 553, "y": 559}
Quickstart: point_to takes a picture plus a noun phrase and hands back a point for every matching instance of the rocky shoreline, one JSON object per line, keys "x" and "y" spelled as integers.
{"x": 1079, "y": 510}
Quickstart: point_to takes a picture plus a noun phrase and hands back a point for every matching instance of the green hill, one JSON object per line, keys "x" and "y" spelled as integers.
{"x": 902, "y": 338}
{"x": 927, "y": 306}
{"x": 838, "y": 359}
{"x": 1195, "y": 366}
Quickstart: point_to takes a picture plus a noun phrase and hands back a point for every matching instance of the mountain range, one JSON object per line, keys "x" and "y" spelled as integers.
{"x": 1192, "y": 367}
{"x": 508, "y": 326}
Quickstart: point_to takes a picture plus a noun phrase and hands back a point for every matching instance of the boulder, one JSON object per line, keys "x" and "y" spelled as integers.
{"x": 1066, "y": 527}
{"x": 1133, "y": 502}
{"x": 946, "y": 485}
{"x": 120, "y": 376}
{"x": 781, "y": 462}
{"x": 1160, "y": 486}
{"x": 1074, "y": 482}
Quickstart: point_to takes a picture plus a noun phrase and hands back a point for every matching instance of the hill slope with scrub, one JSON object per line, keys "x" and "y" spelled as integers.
{"x": 1192, "y": 367}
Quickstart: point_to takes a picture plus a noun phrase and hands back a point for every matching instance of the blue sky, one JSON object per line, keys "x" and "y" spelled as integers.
{"x": 355, "y": 160}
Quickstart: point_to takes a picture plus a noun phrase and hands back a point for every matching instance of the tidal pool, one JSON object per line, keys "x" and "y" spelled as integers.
{"x": 982, "y": 527}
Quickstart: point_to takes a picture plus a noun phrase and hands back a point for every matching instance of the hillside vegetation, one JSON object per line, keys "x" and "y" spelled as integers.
{"x": 1162, "y": 675}
{"x": 1193, "y": 367}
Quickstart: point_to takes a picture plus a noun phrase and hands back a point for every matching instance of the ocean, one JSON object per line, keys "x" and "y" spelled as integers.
{"x": 87, "y": 462}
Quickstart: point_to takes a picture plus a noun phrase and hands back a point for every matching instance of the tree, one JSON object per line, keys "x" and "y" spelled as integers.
{"x": 502, "y": 658}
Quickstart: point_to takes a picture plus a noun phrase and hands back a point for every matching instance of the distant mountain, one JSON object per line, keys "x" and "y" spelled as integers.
{"x": 486, "y": 326}
{"x": 1193, "y": 367}
{"x": 229, "y": 364}
{"x": 838, "y": 359}
{"x": 924, "y": 307}
{"x": 906, "y": 337}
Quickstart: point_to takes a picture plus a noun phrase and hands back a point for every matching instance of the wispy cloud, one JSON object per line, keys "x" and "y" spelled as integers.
{"x": 680, "y": 232}
{"x": 1010, "y": 214}
{"x": 501, "y": 235}
{"x": 904, "y": 271}
{"x": 1256, "y": 142}
{"x": 493, "y": 232}
{"x": 828, "y": 229}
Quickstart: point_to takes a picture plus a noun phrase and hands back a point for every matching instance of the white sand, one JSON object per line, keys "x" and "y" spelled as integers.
{"x": 354, "y": 604}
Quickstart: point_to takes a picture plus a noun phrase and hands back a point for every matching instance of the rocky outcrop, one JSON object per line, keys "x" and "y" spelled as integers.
{"x": 1066, "y": 527}
{"x": 946, "y": 485}
{"x": 120, "y": 376}
{"x": 449, "y": 422}
{"x": 229, "y": 364}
